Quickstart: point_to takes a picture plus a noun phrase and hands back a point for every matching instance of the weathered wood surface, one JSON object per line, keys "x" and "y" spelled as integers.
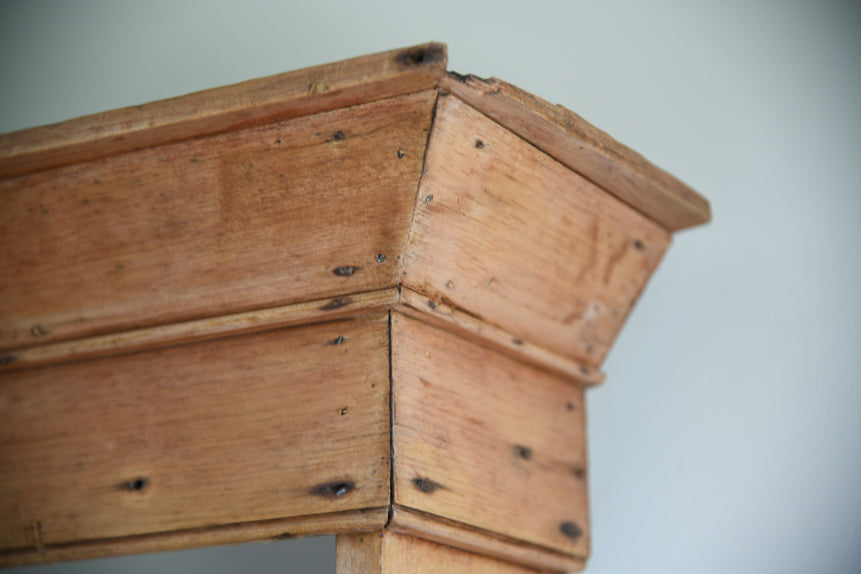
{"x": 572, "y": 140}
{"x": 509, "y": 235}
{"x": 307, "y": 209}
{"x": 486, "y": 441}
{"x": 430, "y": 527}
{"x": 287, "y": 423}
{"x": 471, "y": 327}
{"x": 386, "y": 552}
{"x": 255, "y": 102}
{"x": 276, "y": 529}
{"x": 201, "y": 330}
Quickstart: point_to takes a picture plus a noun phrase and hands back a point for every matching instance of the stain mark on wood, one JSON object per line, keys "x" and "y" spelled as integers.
{"x": 431, "y": 304}
{"x": 517, "y": 341}
{"x": 336, "y": 303}
{"x": 422, "y": 55}
{"x": 345, "y": 270}
{"x": 579, "y": 472}
{"x": 334, "y": 489}
{"x": 571, "y": 530}
{"x": 639, "y": 245}
{"x": 569, "y": 405}
{"x": 136, "y": 485}
{"x": 427, "y": 485}
{"x": 6, "y": 359}
{"x": 285, "y": 536}
{"x": 523, "y": 452}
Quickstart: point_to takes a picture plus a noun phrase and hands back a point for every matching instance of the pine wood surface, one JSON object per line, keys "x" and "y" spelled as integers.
{"x": 487, "y": 441}
{"x": 292, "y": 422}
{"x": 584, "y": 148}
{"x": 386, "y": 552}
{"x": 507, "y": 234}
{"x": 471, "y": 327}
{"x": 229, "y": 108}
{"x": 302, "y": 210}
{"x": 243, "y": 532}
{"x": 205, "y": 299}
{"x": 485, "y": 542}
{"x": 201, "y": 330}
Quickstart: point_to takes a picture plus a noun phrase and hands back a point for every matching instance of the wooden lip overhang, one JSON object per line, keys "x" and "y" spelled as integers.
{"x": 367, "y": 286}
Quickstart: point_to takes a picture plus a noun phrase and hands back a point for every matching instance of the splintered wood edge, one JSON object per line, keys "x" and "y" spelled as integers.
{"x": 178, "y": 333}
{"x": 462, "y": 323}
{"x": 419, "y": 524}
{"x": 365, "y": 520}
{"x": 570, "y": 139}
{"x": 283, "y": 96}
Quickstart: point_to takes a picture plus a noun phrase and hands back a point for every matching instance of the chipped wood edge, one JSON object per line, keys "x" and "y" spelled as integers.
{"x": 420, "y": 524}
{"x": 365, "y": 520}
{"x": 570, "y": 139}
{"x": 460, "y": 322}
{"x": 215, "y": 327}
{"x": 254, "y": 102}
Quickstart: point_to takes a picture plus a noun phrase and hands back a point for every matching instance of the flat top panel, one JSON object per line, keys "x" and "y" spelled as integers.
{"x": 287, "y": 423}
{"x": 487, "y": 441}
{"x": 564, "y": 135}
{"x": 292, "y": 94}
{"x": 505, "y": 232}
{"x": 284, "y": 213}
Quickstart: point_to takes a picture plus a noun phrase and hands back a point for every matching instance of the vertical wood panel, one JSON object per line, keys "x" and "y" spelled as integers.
{"x": 487, "y": 441}
{"x": 508, "y": 234}
{"x": 391, "y": 553}
{"x": 284, "y": 213}
{"x": 257, "y": 427}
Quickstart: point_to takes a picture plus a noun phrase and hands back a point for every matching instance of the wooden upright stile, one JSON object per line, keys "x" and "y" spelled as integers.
{"x": 360, "y": 299}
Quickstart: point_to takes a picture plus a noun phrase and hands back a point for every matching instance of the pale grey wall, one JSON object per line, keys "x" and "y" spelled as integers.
{"x": 728, "y": 436}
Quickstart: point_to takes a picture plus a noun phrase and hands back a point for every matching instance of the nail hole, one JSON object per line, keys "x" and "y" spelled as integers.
{"x": 479, "y": 144}
{"x": 523, "y": 452}
{"x": 426, "y": 485}
{"x": 334, "y": 489}
{"x": 339, "y": 340}
{"x": 400, "y": 153}
{"x": 38, "y": 331}
{"x": 344, "y": 270}
{"x": 639, "y": 244}
{"x": 135, "y": 485}
{"x": 381, "y": 257}
{"x": 570, "y": 530}
{"x": 428, "y": 199}
{"x": 338, "y": 136}
{"x": 343, "y": 411}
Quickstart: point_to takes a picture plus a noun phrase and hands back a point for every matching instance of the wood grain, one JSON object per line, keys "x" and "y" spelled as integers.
{"x": 302, "y": 210}
{"x": 509, "y": 235}
{"x": 255, "y": 102}
{"x": 287, "y": 423}
{"x": 279, "y": 528}
{"x": 570, "y": 139}
{"x": 487, "y": 441}
{"x": 391, "y": 553}
{"x": 201, "y": 330}
{"x": 470, "y": 327}
{"x": 449, "y": 532}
